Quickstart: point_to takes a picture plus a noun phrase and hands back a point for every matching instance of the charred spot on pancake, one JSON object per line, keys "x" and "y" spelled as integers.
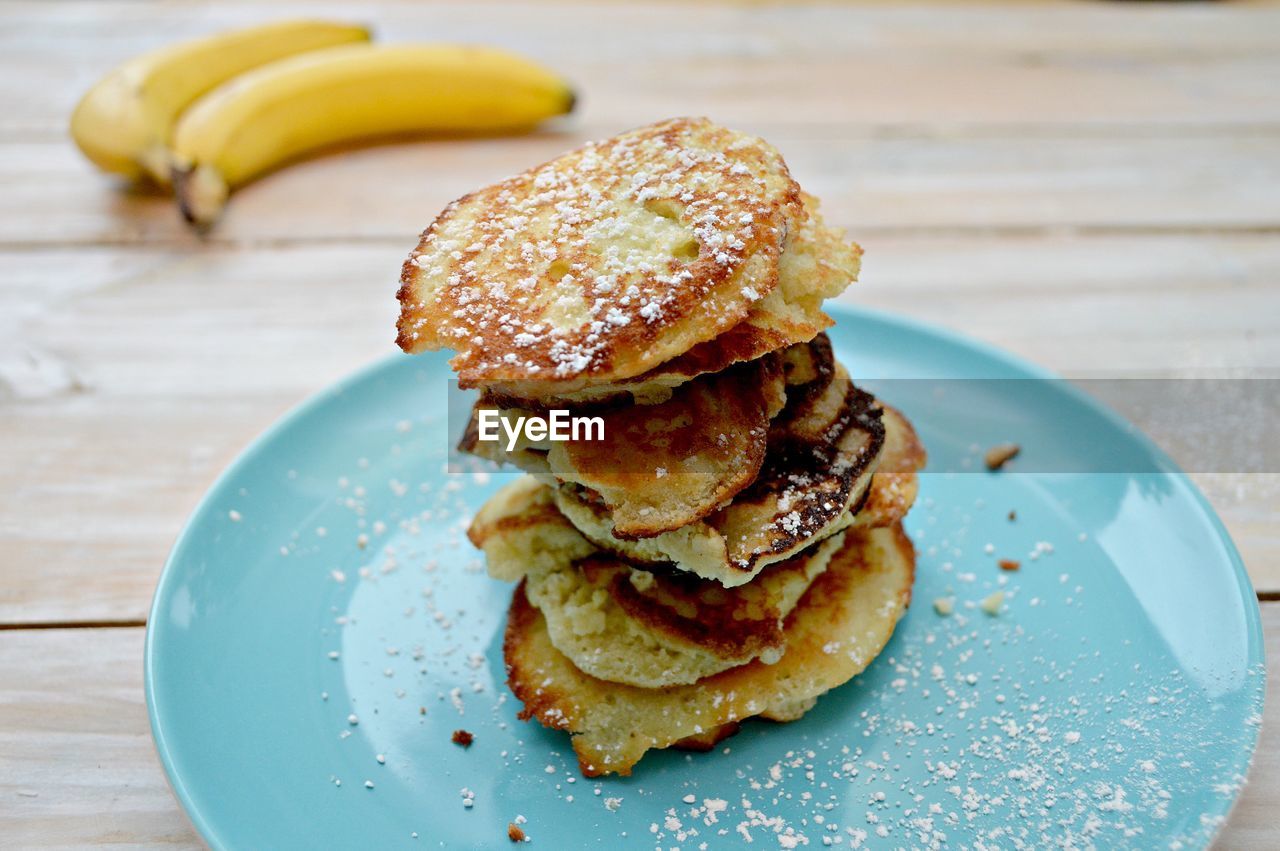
{"x": 811, "y": 484}
{"x": 808, "y": 367}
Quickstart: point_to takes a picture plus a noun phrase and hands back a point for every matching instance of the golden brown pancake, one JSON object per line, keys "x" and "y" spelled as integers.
{"x": 604, "y": 262}
{"x": 521, "y": 531}
{"x": 798, "y": 499}
{"x": 818, "y": 396}
{"x": 808, "y": 368}
{"x": 663, "y": 466}
{"x": 639, "y": 463}
{"x": 653, "y": 626}
{"x": 841, "y": 624}
{"x": 816, "y": 263}
{"x": 804, "y": 490}
{"x": 657, "y": 628}
{"x": 732, "y": 547}
{"x": 893, "y": 489}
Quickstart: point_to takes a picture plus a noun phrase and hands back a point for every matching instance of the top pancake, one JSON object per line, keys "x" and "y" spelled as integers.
{"x": 817, "y": 263}
{"x": 605, "y": 262}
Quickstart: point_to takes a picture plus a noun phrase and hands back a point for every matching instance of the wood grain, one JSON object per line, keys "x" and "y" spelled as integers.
{"x": 77, "y": 765}
{"x": 1062, "y": 64}
{"x": 1092, "y": 186}
{"x": 1007, "y": 183}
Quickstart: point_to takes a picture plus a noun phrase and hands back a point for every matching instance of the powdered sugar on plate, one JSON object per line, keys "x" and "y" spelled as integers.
{"x": 1013, "y": 724}
{"x": 1107, "y": 701}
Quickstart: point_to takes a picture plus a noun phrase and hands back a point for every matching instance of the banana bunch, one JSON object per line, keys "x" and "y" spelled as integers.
{"x": 338, "y": 95}
{"x": 214, "y": 114}
{"x": 124, "y": 122}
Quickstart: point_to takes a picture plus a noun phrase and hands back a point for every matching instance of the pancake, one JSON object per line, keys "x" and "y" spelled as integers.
{"x": 605, "y": 262}
{"x": 805, "y": 490}
{"x": 660, "y": 467}
{"x": 893, "y": 489}
{"x": 661, "y": 628}
{"x": 818, "y": 396}
{"x": 650, "y": 627}
{"x": 799, "y": 499}
{"x": 808, "y": 368}
{"x": 840, "y": 625}
{"x": 521, "y": 531}
{"x": 816, "y": 263}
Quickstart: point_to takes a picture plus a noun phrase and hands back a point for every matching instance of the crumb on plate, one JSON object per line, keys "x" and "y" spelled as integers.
{"x": 998, "y": 456}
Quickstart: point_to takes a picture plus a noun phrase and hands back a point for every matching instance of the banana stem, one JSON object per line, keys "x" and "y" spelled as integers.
{"x": 201, "y": 192}
{"x": 157, "y": 163}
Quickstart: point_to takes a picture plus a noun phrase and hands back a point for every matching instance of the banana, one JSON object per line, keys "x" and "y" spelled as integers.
{"x": 123, "y": 123}
{"x": 295, "y": 106}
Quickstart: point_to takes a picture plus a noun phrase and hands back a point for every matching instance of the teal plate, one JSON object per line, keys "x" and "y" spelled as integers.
{"x": 323, "y": 626}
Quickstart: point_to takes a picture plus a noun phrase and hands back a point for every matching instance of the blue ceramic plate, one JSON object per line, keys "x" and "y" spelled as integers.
{"x": 323, "y": 626}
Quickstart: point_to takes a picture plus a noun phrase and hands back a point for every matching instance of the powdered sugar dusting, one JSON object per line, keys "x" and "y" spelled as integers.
{"x": 553, "y": 272}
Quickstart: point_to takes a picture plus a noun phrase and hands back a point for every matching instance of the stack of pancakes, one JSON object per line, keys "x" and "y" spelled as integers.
{"x": 733, "y": 546}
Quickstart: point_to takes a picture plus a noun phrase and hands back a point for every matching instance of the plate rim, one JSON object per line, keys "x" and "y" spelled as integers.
{"x": 854, "y": 313}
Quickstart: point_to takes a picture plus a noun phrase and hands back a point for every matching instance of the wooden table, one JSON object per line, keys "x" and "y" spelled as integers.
{"x": 1094, "y": 186}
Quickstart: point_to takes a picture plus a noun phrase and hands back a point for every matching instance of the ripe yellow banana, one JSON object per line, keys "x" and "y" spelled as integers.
{"x": 289, "y": 108}
{"x": 123, "y": 124}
